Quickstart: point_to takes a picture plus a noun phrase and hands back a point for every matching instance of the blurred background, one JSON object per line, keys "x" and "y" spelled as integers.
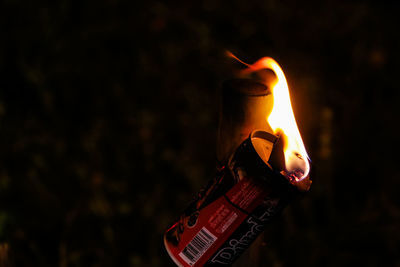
{"x": 108, "y": 123}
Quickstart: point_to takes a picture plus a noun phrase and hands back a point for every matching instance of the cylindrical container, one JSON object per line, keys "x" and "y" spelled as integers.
{"x": 228, "y": 215}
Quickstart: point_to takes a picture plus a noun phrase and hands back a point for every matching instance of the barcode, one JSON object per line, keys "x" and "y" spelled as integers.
{"x": 198, "y": 246}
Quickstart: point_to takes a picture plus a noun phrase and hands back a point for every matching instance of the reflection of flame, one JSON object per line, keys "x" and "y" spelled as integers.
{"x": 281, "y": 119}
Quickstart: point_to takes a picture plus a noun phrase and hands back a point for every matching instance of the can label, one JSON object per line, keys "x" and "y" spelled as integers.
{"x": 213, "y": 233}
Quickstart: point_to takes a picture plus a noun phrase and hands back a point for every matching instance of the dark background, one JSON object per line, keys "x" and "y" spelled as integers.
{"x": 108, "y": 120}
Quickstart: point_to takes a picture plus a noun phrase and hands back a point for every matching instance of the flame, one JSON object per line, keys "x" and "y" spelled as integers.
{"x": 282, "y": 120}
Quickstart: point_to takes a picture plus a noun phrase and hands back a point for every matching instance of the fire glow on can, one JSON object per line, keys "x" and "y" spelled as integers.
{"x": 229, "y": 214}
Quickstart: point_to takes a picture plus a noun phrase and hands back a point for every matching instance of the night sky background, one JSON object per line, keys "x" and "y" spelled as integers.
{"x": 109, "y": 115}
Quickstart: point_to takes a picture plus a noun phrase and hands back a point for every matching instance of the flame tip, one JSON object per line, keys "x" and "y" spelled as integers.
{"x": 230, "y": 54}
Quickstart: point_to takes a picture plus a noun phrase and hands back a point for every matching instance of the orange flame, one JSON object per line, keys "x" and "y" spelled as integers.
{"x": 281, "y": 119}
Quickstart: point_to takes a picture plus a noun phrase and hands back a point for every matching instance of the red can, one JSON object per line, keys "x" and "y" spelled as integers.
{"x": 229, "y": 214}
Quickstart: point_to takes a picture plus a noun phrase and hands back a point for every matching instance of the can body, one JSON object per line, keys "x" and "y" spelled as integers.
{"x": 230, "y": 213}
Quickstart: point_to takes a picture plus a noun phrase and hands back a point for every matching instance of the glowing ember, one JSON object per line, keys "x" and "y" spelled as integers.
{"x": 282, "y": 121}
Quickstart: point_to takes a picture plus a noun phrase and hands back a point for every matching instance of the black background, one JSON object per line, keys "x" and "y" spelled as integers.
{"x": 108, "y": 120}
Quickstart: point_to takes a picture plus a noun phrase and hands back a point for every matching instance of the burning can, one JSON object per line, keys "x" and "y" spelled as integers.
{"x": 228, "y": 215}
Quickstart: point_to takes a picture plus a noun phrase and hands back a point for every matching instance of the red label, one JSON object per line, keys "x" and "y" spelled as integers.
{"x": 216, "y": 223}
